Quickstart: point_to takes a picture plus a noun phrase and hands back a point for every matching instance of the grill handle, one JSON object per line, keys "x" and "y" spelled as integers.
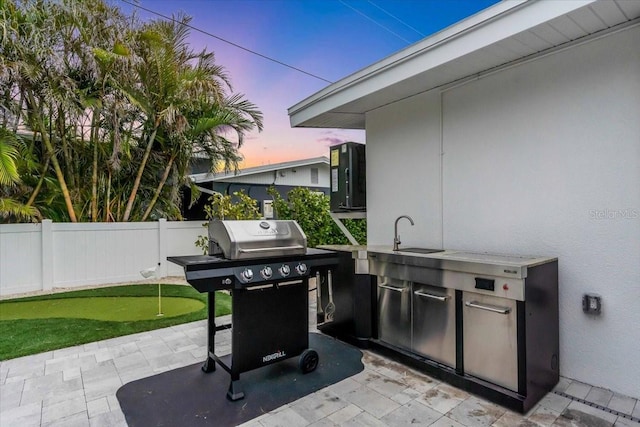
{"x": 499, "y": 310}
{"x": 431, "y": 296}
{"x": 258, "y": 250}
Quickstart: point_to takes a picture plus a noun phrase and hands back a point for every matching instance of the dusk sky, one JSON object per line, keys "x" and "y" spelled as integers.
{"x": 330, "y": 39}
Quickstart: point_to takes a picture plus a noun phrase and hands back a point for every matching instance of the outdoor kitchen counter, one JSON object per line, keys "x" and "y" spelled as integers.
{"x": 487, "y": 323}
{"x": 442, "y": 254}
{"x": 358, "y": 253}
{"x": 513, "y": 266}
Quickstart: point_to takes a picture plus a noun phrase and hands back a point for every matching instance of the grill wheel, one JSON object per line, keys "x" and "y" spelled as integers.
{"x": 309, "y": 361}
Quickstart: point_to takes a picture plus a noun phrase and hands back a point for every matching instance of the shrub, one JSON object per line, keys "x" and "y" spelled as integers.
{"x": 224, "y": 207}
{"x": 311, "y": 210}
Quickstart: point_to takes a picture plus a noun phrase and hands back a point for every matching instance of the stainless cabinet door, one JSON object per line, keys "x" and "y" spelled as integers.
{"x": 490, "y": 342}
{"x": 394, "y": 312}
{"x": 434, "y": 323}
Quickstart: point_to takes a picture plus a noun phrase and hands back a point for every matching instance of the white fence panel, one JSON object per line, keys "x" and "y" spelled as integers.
{"x": 95, "y": 253}
{"x": 20, "y": 258}
{"x": 37, "y": 257}
{"x": 180, "y": 240}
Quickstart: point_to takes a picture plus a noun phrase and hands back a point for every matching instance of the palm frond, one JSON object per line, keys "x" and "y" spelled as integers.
{"x": 10, "y": 208}
{"x": 8, "y": 154}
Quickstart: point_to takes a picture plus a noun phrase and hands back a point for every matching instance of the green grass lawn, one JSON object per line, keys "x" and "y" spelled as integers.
{"x": 118, "y": 309}
{"x": 48, "y": 322}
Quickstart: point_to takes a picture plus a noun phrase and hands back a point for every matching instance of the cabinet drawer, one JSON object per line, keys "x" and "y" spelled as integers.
{"x": 490, "y": 339}
{"x": 394, "y": 312}
{"x": 434, "y": 323}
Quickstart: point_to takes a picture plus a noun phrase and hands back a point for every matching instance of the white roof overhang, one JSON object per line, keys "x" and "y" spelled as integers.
{"x": 501, "y": 35}
{"x": 225, "y": 176}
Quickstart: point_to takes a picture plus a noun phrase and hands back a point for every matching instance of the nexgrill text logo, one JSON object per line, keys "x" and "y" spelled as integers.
{"x": 273, "y": 356}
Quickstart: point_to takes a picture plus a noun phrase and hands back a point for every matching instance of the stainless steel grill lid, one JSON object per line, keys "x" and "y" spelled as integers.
{"x": 246, "y": 239}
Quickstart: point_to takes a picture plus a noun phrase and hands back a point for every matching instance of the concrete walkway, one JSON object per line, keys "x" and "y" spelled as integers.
{"x": 76, "y": 387}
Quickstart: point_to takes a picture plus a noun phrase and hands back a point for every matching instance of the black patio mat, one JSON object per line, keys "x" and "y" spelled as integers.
{"x": 189, "y": 397}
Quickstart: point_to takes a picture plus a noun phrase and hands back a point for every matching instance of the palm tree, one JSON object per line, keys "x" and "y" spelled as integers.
{"x": 9, "y": 179}
{"x": 176, "y": 85}
{"x": 207, "y": 133}
{"x": 30, "y": 39}
{"x": 116, "y": 109}
{"x": 95, "y": 42}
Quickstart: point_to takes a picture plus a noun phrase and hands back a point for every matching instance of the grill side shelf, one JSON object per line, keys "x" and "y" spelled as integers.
{"x": 207, "y": 273}
{"x": 211, "y": 280}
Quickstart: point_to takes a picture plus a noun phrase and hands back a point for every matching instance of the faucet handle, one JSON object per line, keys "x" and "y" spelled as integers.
{"x": 396, "y": 243}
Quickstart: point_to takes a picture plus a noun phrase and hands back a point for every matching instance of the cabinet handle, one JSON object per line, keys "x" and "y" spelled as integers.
{"x": 431, "y": 296}
{"x": 392, "y": 288}
{"x": 499, "y": 310}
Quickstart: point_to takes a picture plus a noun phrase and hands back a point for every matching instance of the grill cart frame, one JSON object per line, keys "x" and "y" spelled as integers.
{"x": 270, "y": 318}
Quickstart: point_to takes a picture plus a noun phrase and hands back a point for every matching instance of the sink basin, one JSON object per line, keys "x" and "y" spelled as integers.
{"x": 420, "y": 250}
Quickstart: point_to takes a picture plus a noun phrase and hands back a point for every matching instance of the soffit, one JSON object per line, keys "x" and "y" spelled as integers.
{"x": 502, "y": 34}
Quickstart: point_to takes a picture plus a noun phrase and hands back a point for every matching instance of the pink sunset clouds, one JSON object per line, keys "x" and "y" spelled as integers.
{"x": 323, "y": 37}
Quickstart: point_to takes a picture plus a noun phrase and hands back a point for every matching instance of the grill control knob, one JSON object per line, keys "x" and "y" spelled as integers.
{"x": 284, "y": 270}
{"x": 247, "y": 275}
{"x": 266, "y": 272}
{"x": 301, "y": 269}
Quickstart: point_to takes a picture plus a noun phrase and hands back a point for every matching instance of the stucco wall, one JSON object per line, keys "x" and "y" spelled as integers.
{"x": 403, "y": 172}
{"x": 543, "y": 158}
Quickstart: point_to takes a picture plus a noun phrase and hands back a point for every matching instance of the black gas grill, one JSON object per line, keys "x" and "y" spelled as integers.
{"x": 266, "y": 266}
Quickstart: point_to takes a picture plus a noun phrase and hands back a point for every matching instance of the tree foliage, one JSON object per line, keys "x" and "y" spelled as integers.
{"x": 237, "y": 206}
{"x": 112, "y": 110}
{"x": 311, "y": 210}
{"x": 10, "y": 183}
{"x": 308, "y": 208}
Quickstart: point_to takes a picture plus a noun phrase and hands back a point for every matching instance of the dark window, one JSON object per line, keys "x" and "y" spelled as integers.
{"x": 314, "y": 175}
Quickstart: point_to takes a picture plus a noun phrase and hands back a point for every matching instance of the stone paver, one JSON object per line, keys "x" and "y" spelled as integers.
{"x": 622, "y": 404}
{"x": 578, "y": 389}
{"x": 586, "y": 415}
{"x": 599, "y": 396}
{"x": 555, "y": 402}
{"x": 476, "y": 412}
{"x": 65, "y": 409}
{"x": 24, "y": 415}
{"x": 76, "y": 387}
{"x": 411, "y": 413}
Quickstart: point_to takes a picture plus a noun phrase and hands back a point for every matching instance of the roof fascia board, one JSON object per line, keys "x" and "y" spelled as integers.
{"x": 565, "y": 46}
{"x": 207, "y": 177}
{"x": 483, "y": 29}
{"x": 410, "y": 50}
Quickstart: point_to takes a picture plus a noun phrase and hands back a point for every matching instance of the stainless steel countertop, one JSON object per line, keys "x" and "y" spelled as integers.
{"x": 514, "y": 266}
{"x": 357, "y": 251}
{"x": 469, "y": 256}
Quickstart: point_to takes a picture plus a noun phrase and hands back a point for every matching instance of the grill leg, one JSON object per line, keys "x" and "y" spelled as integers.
{"x": 210, "y": 364}
{"x": 234, "y": 394}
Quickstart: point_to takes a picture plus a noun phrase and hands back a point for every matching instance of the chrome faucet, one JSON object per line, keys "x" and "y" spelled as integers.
{"x": 396, "y": 238}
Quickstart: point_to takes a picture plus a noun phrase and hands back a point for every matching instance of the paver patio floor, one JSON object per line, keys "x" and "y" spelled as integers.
{"x": 76, "y": 386}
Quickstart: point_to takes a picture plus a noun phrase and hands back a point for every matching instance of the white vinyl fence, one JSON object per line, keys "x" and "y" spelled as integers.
{"x": 49, "y": 255}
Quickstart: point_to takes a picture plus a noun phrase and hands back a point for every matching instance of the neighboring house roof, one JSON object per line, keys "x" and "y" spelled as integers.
{"x": 507, "y": 33}
{"x": 224, "y": 176}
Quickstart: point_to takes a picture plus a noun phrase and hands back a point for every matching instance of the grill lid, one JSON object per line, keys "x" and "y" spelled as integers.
{"x": 244, "y": 239}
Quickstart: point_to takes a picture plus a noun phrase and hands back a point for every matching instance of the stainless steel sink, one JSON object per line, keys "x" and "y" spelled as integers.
{"x": 420, "y": 250}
